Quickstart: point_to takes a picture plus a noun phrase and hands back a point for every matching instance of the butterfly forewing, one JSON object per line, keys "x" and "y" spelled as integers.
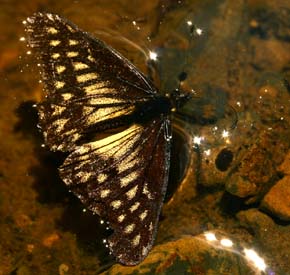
{"x": 90, "y": 88}
{"x": 85, "y": 80}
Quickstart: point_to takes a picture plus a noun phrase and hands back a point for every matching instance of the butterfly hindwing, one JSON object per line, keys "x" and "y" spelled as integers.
{"x": 85, "y": 80}
{"x": 122, "y": 178}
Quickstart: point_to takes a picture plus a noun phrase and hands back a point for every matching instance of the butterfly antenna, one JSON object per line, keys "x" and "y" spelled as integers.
{"x": 236, "y": 119}
{"x": 194, "y": 32}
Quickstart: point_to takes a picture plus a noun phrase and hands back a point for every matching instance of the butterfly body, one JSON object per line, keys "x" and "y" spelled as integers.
{"x": 91, "y": 88}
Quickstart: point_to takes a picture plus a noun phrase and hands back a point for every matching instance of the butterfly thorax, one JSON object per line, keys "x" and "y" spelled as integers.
{"x": 152, "y": 108}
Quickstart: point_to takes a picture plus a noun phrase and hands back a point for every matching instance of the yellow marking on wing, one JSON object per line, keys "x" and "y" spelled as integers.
{"x": 129, "y": 178}
{"x": 116, "y": 204}
{"x": 105, "y": 193}
{"x": 80, "y": 66}
{"x": 95, "y": 115}
{"x": 105, "y": 100}
{"x": 151, "y": 226}
{"x": 83, "y": 176}
{"x": 147, "y": 192}
{"x": 58, "y": 110}
{"x": 121, "y": 218}
{"x": 60, "y": 69}
{"x": 143, "y": 215}
{"x": 59, "y": 124}
{"x": 132, "y": 192}
{"x": 52, "y": 30}
{"x": 129, "y": 228}
{"x": 70, "y": 28}
{"x": 59, "y": 84}
{"x": 86, "y": 77}
{"x": 91, "y": 58}
{"x": 112, "y": 145}
{"x": 72, "y": 54}
{"x": 135, "y": 206}
{"x": 99, "y": 88}
{"x": 55, "y": 55}
{"x": 102, "y": 177}
{"x": 129, "y": 163}
{"x": 54, "y": 43}
{"x": 73, "y": 42}
{"x": 67, "y": 96}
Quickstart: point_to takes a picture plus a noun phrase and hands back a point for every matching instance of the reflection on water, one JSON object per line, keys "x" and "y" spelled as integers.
{"x": 231, "y": 176}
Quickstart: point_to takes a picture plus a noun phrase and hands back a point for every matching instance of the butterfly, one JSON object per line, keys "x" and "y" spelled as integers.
{"x": 91, "y": 89}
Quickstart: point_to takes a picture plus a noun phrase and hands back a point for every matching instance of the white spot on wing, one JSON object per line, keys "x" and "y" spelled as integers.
{"x": 144, "y": 251}
{"x": 50, "y": 16}
{"x": 136, "y": 240}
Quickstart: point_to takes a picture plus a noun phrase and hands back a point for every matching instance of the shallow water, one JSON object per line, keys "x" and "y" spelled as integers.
{"x": 228, "y": 177}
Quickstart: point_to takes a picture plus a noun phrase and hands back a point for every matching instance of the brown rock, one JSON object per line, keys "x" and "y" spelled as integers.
{"x": 50, "y": 240}
{"x": 277, "y": 200}
{"x": 285, "y": 166}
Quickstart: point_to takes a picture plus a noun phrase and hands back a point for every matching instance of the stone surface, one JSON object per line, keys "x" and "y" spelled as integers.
{"x": 277, "y": 200}
{"x": 270, "y": 238}
{"x": 189, "y": 255}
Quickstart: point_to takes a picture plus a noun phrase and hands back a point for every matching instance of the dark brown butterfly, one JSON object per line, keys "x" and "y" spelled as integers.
{"x": 91, "y": 88}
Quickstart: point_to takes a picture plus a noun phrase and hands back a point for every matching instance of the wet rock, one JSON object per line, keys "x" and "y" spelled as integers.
{"x": 254, "y": 172}
{"x": 271, "y": 238}
{"x": 189, "y": 255}
{"x": 285, "y": 166}
{"x": 277, "y": 200}
{"x": 63, "y": 269}
{"x": 50, "y": 240}
{"x": 258, "y": 167}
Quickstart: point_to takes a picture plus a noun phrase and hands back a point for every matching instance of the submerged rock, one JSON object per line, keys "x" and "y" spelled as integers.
{"x": 277, "y": 200}
{"x": 189, "y": 255}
